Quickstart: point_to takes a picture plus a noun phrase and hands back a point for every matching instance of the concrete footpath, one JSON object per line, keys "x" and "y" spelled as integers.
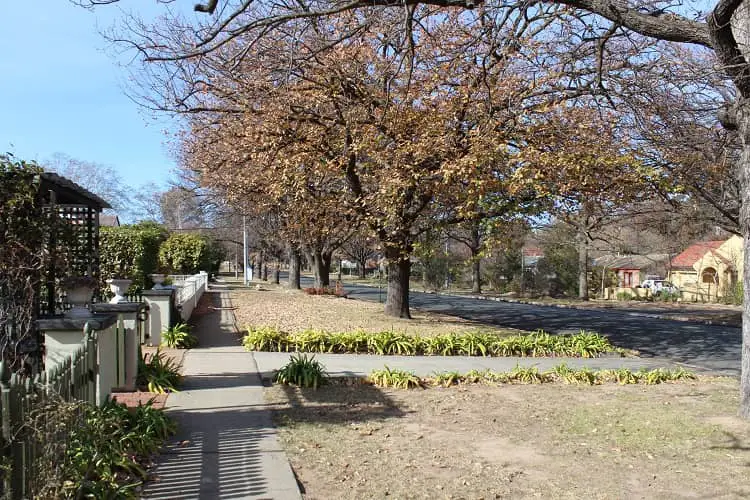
{"x": 339, "y": 365}
{"x": 226, "y": 446}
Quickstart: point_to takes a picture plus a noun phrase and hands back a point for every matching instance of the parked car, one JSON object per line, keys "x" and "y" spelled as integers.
{"x": 658, "y": 286}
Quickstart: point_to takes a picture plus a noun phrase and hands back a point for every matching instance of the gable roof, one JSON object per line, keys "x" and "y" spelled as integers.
{"x": 109, "y": 220}
{"x": 695, "y": 252}
{"x": 631, "y": 261}
{"x": 68, "y": 192}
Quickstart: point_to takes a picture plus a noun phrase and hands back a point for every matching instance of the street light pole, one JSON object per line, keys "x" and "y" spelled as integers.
{"x": 244, "y": 249}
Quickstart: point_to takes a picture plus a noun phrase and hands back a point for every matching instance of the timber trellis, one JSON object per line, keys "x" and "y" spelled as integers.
{"x": 73, "y": 380}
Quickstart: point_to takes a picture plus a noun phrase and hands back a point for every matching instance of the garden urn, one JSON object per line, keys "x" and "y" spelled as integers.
{"x": 79, "y": 292}
{"x": 119, "y": 287}
{"x": 158, "y": 280}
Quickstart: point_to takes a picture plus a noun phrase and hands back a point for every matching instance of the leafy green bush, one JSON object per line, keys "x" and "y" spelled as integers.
{"x": 529, "y": 375}
{"x": 179, "y": 337}
{"x": 189, "y": 253}
{"x": 583, "y": 344}
{"x": 624, "y": 296}
{"x": 158, "y": 373}
{"x": 665, "y": 296}
{"x": 399, "y": 379}
{"x": 302, "y": 371}
{"x": 131, "y": 252}
{"x": 105, "y": 454}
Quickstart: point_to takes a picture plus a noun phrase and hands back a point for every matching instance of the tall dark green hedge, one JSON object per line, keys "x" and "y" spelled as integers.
{"x": 131, "y": 251}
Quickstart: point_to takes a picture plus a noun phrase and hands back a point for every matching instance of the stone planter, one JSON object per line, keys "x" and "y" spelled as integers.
{"x": 158, "y": 280}
{"x": 119, "y": 287}
{"x": 78, "y": 295}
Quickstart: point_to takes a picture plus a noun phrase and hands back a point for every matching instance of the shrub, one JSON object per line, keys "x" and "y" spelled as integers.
{"x": 179, "y": 337}
{"x": 528, "y": 375}
{"x": 302, "y": 371}
{"x": 189, "y": 253}
{"x": 399, "y": 379}
{"x": 105, "y": 454}
{"x": 130, "y": 251}
{"x": 624, "y": 296}
{"x": 158, "y": 373}
{"x": 583, "y": 344}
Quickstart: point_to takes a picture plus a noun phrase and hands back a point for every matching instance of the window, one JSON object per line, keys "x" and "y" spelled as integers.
{"x": 709, "y": 276}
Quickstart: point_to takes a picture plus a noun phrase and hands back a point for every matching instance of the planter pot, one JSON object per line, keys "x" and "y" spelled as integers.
{"x": 158, "y": 280}
{"x": 119, "y": 287}
{"x": 79, "y": 296}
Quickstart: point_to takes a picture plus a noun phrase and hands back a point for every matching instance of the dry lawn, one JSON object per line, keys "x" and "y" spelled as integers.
{"x": 293, "y": 310}
{"x": 517, "y": 441}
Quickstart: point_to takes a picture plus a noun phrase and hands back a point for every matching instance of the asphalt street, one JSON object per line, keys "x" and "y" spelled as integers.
{"x": 706, "y": 347}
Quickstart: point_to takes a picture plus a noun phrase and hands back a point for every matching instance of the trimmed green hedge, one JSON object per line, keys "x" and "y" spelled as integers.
{"x": 189, "y": 253}
{"x": 583, "y": 344}
{"x": 130, "y": 251}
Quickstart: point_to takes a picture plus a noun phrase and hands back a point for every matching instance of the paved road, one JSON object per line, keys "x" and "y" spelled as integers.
{"x": 714, "y": 348}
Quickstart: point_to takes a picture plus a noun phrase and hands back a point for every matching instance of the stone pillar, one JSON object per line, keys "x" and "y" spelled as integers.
{"x": 160, "y": 310}
{"x": 126, "y": 341}
{"x": 64, "y": 336}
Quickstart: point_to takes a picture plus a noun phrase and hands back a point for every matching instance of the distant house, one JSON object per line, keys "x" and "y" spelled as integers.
{"x": 708, "y": 270}
{"x": 109, "y": 220}
{"x": 531, "y": 257}
{"x": 631, "y": 270}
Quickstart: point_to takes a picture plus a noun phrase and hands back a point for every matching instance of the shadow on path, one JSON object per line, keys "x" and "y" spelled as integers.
{"x": 226, "y": 445}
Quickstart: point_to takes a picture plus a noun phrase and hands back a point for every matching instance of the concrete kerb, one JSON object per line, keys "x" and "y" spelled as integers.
{"x": 361, "y": 365}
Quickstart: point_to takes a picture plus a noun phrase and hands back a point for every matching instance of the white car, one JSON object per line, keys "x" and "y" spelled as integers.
{"x": 658, "y": 286}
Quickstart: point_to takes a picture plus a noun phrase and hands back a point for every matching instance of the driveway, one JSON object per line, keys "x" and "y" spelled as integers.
{"x": 704, "y": 347}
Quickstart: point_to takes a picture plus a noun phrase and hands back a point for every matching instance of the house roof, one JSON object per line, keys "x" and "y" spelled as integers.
{"x": 533, "y": 252}
{"x": 695, "y": 252}
{"x": 631, "y": 261}
{"x": 68, "y": 192}
{"x": 109, "y": 220}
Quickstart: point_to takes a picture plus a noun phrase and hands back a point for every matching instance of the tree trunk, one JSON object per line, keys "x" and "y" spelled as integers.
{"x": 321, "y": 268}
{"x": 397, "y": 295}
{"x": 476, "y": 246}
{"x": 295, "y": 263}
{"x": 277, "y": 272}
{"x": 743, "y": 123}
{"x": 476, "y": 274}
{"x": 265, "y": 270}
{"x": 326, "y": 258}
{"x": 361, "y": 268}
{"x": 583, "y": 265}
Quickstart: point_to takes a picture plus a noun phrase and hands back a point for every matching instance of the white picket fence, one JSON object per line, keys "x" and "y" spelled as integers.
{"x": 189, "y": 290}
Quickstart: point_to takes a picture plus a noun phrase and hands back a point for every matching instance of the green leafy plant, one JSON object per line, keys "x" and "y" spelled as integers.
{"x": 399, "y": 379}
{"x": 528, "y": 375}
{"x": 105, "y": 454}
{"x": 179, "y": 337}
{"x": 158, "y": 373}
{"x": 447, "y": 379}
{"x": 583, "y": 344}
{"x": 302, "y": 371}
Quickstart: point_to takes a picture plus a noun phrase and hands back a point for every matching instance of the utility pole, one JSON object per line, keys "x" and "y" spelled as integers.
{"x": 244, "y": 249}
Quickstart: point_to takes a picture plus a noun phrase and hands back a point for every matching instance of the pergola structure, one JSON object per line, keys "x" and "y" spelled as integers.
{"x": 80, "y": 208}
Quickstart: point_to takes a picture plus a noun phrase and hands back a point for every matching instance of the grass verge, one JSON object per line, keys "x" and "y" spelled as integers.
{"x": 517, "y": 441}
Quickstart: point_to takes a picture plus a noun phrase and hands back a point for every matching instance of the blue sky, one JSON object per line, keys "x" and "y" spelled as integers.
{"x": 61, "y": 92}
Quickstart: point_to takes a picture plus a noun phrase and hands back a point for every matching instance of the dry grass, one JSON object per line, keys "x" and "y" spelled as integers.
{"x": 293, "y": 310}
{"x": 543, "y": 441}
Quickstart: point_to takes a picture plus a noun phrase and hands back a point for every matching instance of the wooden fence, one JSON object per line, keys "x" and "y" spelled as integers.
{"x": 23, "y": 399}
